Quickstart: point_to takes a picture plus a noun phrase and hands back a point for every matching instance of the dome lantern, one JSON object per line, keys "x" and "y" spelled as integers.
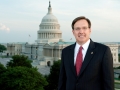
{"x": 49, "y": 8}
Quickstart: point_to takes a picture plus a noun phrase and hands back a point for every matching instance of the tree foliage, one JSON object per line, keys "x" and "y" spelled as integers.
{"x": 19, "y": 60}
{"x": 20, "y": 75}
{"x": 2, "y": 48}
{"x": 52, "y": 78}
{"x": 22, "y": 78}
{"x": 2, "y": 68}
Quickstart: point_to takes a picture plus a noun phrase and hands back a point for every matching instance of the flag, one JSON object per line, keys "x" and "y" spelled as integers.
{"x": 70, "y": 38}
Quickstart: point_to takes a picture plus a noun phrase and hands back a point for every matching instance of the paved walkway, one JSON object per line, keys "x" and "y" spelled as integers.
{"x": 4, "y": 60}
{"x": 45, "y": 70}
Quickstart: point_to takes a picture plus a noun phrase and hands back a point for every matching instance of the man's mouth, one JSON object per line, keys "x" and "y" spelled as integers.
{"x": 81, "y": 36}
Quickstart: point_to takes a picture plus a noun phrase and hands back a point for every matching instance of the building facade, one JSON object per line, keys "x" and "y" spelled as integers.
{"x": 14, "y": 49}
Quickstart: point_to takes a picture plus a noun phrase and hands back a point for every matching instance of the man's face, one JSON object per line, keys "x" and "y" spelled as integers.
{"x": 81, "y": 31}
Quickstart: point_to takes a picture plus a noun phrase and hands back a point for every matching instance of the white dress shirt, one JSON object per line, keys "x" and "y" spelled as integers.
{"x": 84, "y": 50}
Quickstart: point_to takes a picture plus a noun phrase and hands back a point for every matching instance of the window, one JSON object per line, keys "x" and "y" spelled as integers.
{"x": 114, "y": 54}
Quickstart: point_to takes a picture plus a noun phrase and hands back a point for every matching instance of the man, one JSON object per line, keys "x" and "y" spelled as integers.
{"x": 85, "y": 65}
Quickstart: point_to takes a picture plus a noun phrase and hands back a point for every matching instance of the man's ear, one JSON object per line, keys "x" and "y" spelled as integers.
{"x": 90, "y": 30}
{"x": 73, "y": 31}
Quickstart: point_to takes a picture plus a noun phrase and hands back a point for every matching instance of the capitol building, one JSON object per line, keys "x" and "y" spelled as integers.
{"x": 49, "y": 44}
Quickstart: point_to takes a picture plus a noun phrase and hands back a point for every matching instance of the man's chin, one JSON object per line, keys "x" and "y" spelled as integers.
{"x": 81, "y": 42}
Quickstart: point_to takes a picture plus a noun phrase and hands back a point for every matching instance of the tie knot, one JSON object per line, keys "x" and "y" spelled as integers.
{"x": 81, "y": 47}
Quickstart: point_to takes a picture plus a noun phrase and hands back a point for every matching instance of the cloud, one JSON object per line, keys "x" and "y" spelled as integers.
{"x": 3, "y": 27}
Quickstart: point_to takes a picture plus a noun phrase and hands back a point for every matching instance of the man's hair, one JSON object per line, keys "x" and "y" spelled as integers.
{"x": 80, "y": 18}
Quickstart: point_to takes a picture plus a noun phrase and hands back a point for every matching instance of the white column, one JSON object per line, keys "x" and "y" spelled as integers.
{"x": 51, "y": 35}
{"x": 55, "y": 35}
{"x": 45, "y": 35}
{"x": 52, "y": 52}
{"x": 42, "y": 35}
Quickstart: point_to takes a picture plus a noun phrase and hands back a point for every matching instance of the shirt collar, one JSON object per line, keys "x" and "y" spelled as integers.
{"x": 85, "y": 46}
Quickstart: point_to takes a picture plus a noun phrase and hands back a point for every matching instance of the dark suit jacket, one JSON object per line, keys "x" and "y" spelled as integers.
{"x": 96, "y": 72}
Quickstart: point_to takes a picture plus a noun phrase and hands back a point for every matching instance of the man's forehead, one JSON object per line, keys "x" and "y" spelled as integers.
{"x": 81, "y": 23}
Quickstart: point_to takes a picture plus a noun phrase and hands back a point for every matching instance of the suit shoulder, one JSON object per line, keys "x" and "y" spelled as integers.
{"x": 100, "y": 45}
{"x": 68, "y": 47}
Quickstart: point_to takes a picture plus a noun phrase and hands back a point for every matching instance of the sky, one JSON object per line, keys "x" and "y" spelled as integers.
{"x": 20, "y": 19}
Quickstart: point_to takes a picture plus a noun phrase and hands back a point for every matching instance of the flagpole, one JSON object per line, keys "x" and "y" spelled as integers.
{"x": 29, "y": 38}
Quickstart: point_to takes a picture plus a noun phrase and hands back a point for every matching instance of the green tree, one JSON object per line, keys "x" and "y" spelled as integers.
{"x": 53, "y": 77}
{"x": 22, "y": 78}
{"x": 2, "y": 48}
{"x": 2, "y": 68}
{"x": 19, "y": 60}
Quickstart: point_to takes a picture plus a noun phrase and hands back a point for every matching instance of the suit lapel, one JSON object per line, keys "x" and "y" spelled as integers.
{"x": 89, "y": 54}
{"x": 71, "y": 58}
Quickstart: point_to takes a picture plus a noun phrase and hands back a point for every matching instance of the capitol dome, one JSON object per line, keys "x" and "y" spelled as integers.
{"x": 49, "y": 28}
{"x": 49, "y": 18}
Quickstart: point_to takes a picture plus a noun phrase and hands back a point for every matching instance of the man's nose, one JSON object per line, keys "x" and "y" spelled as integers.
{"x": 80, "y": 31}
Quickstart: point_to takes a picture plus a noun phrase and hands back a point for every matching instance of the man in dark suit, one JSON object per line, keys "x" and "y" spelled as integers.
{"x": 85, "y": 65}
